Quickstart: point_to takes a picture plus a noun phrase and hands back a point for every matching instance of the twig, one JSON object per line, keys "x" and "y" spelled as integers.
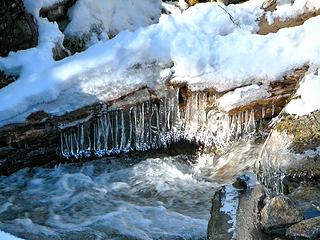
{"x": 230, "y": 16}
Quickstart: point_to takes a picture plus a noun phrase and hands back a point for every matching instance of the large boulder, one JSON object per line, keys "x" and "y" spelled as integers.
{"x": 219, "y": 224}
{"x": 18, "y": 29}
{"x": 250, "y": 204}
{"x": 307, "y": 229}
{"x": 278, "y": 214}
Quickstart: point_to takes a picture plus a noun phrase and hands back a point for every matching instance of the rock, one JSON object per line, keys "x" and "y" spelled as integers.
{"x": 307, "y": 229}
{"x": 307, "y": 198}
{"x": 305, "y": 130}
{"x": 76, "y": 43}
{"x": 219, "y": 225}
{"x": 5, "y": 79}
{"x": 278, "y": 214}
{"x": 57, "y": 12}
{"x": 241, "y": 183}
{"x": 225, "y": 2}
{"x": 35, "y": 117}
{"x": 59, "y": 52}
{"x": 18, "y": 29}
{"x": 280, "y": 92}
{"x": 250, "y": 204}
{"x": 279, "y": 23}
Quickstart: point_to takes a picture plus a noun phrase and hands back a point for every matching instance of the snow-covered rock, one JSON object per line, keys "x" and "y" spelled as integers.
{"x": 203, "y": 47}
{"x": 112, "y": 16}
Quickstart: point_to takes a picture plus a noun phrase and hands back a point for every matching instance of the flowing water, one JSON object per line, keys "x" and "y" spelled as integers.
{"x": 157, "y": 197}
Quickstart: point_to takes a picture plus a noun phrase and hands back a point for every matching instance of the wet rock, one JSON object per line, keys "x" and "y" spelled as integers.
{"x": 241, "y": 183}
{"x": 18, "y": 29}
{"x": 76, "y": 43}
{"x": 5, "y": 79}
{"x": 219, "y": 223}
{"x": 278, "y": 214}
{"x": 58, "y": 12}
{"x": 59, "y": 52}
{"x": 307, "y": 198}
{"x": 37, "y": 117}
{"x": 248, "y": 213}
{"x": 307, "y": 229}
{"x": 225, "y": 2}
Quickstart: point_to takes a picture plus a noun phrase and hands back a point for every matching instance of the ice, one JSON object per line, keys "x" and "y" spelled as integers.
{"x": 140, "y": 127}
{"x": 153, "y": 125}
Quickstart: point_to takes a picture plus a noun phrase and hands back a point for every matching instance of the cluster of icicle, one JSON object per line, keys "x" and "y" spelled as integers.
{"x": 147, "y": 125}
{"x": 204, "y": 123}
{"x": 152, "y": 125}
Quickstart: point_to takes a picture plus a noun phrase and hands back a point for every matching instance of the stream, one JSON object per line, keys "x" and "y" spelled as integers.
{"x": 123, "y": 197}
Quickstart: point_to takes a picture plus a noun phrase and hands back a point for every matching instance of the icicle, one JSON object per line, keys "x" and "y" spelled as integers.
{"x": 156, "y": 125}
{"x": 273, "y": 110}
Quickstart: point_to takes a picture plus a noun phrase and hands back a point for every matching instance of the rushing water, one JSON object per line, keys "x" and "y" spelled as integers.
{"x": 163, "y": 197}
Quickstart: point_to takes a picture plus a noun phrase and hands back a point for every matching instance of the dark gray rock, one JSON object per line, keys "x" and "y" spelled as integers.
{"x": 307, "y": 229}
{"x": 6, "y": 79}
{"x": 241, "y": 183}
{"x": 58, "y": 11}
{"x": 18, "y": 29}
{"x": 60, "y": 52}
{"x": 248, "y": 213}
{"x": 278, "y": 214}
{"x": 307, "y": 198}
{"x": 219, "y": 225}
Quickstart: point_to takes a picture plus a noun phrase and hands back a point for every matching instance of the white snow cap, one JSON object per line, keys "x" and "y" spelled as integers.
{"x": 308, "y": 96}
{"x": 207, "y": 48}
{"x": 112, "y": 16}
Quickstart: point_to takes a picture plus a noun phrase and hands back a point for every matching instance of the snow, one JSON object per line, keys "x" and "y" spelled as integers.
{"x": 308, "y": 96}
{"x": 112, "y": 16}
{"x": 287, "y": 9}
{"x": 229, "y": 206}
{"x": 241, "y": 96}
{"x": 7, "y": 236}
{"x": 207, "y": 48}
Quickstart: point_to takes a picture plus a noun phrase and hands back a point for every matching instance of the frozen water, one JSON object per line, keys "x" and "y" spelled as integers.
{"x": 153, "y": 125}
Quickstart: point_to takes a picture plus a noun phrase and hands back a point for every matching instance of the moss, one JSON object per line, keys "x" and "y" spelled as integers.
{"x": 304, "y": 129}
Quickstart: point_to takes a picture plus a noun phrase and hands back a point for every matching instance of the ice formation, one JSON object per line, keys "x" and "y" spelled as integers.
{"x": 156, "y": 124}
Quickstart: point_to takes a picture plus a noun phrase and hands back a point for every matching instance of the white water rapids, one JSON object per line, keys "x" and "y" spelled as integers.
{"x": 158, "y": 197}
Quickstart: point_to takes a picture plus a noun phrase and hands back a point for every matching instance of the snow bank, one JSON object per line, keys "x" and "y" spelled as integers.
{"x": 112, "y": 16}
{"x": 291, "y": 9}
{"x": 207, "y": 47}
{"x": 308, "y": 96}
{"x": 7, "y": 236}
